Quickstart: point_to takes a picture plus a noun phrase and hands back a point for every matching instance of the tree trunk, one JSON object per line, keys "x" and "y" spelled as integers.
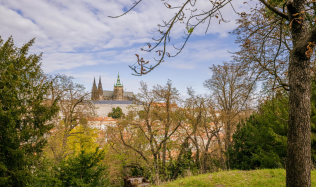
{"x": 227, "y": 142}
{"x": 164, "y": 154}
{"x": 220, "y": 152}
{"x": 298, "y": 161}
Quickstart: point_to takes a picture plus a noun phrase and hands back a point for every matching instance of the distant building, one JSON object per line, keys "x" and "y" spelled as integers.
{"x": 118, "y": 94}
{"x": 104, "y": 107}
{"x": 105, "y": 100}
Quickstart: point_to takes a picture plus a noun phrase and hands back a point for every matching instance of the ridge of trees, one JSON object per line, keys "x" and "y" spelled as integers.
{"x": 168, "y": 136}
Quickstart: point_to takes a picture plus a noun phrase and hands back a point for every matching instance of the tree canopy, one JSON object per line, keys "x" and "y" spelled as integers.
{"x": 261, "y": 140}
{"x": 25, "y": 112}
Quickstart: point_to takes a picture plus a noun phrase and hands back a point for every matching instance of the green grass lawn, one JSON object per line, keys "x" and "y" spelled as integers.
{"x": 266, "y": 177}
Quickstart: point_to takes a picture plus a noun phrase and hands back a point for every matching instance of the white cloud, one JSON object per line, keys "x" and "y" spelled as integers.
{"x": 83, "y": 25}
{"x": 57, "y": 61}
{"x": 77, "y": 33}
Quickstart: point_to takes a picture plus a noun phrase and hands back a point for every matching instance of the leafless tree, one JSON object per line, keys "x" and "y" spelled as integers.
{"x": 231, "y": 89}
{"x": 75, "y": 109}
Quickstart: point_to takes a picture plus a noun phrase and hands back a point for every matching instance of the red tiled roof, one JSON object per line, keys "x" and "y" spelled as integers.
{"x": 102, "y": 119}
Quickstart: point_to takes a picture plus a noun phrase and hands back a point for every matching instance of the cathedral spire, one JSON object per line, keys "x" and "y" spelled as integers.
{"x": 94, "y": 91}
{"x": 118, "y": 81}
{"x": 100, "y": 90}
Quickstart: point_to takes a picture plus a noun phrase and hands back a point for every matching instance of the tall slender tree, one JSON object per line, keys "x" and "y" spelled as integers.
{"x": 232, "y": 89}
{"x": 25, "y": 112}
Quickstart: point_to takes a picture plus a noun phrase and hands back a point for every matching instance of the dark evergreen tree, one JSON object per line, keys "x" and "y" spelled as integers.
{"x": 261, "y": 140}
{"x": 25, "y": 112}
{"x": 256, "y": 146}
{"x": 45, "y": 174}
{"x": 86, "y": 169}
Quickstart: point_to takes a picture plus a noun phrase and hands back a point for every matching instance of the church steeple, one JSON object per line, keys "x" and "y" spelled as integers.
{"x": 94, "y": 91}
{"x": 100, "y": 90}
{"x": 118, "y": 81}
{"x": 118, "y": 93}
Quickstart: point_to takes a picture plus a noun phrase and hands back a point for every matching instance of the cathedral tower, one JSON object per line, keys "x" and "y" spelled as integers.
{"x": 100, "y": 90}
{"x": 118, "y": 90}
{"x": 94, "y": 91}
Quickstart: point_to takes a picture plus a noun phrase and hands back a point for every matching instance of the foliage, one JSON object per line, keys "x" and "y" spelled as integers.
{"x": 278, "y": 36}
{"x": 75, "y": 108}
{"x": 269, "y": 53}
{"x": 272, "y": 44}
{"x": 116, "y": 113}
{"x": 83, "y": 138}
{"x": 261, "y": 140}
{"x": 165, "y": 137}
{"x": 83, "y": 169}
{"x": 256, "y": 145}
{"x": 25, "y": 112}
{"x": 45, "y": 174}
{"x": 149, "y": 134}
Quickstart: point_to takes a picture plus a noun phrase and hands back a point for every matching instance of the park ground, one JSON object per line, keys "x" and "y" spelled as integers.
{"x": 236, "y": 178}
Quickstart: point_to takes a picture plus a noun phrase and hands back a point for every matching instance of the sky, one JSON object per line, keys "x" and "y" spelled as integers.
{"x": 79, "y": 39}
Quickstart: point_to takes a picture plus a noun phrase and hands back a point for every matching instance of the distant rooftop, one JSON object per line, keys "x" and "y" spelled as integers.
{"x": 101, "y": 119}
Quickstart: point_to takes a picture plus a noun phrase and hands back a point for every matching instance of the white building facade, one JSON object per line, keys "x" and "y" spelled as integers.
{"x": 104, "y": 107}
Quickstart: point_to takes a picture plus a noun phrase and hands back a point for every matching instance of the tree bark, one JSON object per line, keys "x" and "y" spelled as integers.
{"x": 298, "y": 161}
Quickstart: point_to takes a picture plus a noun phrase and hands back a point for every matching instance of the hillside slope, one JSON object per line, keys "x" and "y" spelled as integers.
{"x": 254, "y": 178}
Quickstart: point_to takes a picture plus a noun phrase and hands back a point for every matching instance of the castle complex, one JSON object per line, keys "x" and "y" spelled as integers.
{"x": 105, "y": 100}
{"x": 117, "y": 94}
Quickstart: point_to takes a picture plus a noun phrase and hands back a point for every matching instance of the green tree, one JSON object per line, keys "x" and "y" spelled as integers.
{"x": 75, "y": 109}
{"x": 85, "y": 139}
{"x": 116, "y": 113}
{"x": 45, "y": 174}
{"x": 261, "y": 141}
{"x": 25, "y": 112}
{"x": 86, "y": 169}
{"x": 83, "y": 169}
{"x": 256, "y": 145}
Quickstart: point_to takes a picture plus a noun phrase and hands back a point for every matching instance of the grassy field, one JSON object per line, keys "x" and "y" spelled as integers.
{"x": 266, "y": 177}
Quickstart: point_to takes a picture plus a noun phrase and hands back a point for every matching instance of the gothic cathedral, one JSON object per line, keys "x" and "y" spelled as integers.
{"x": 117, "y": 94}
